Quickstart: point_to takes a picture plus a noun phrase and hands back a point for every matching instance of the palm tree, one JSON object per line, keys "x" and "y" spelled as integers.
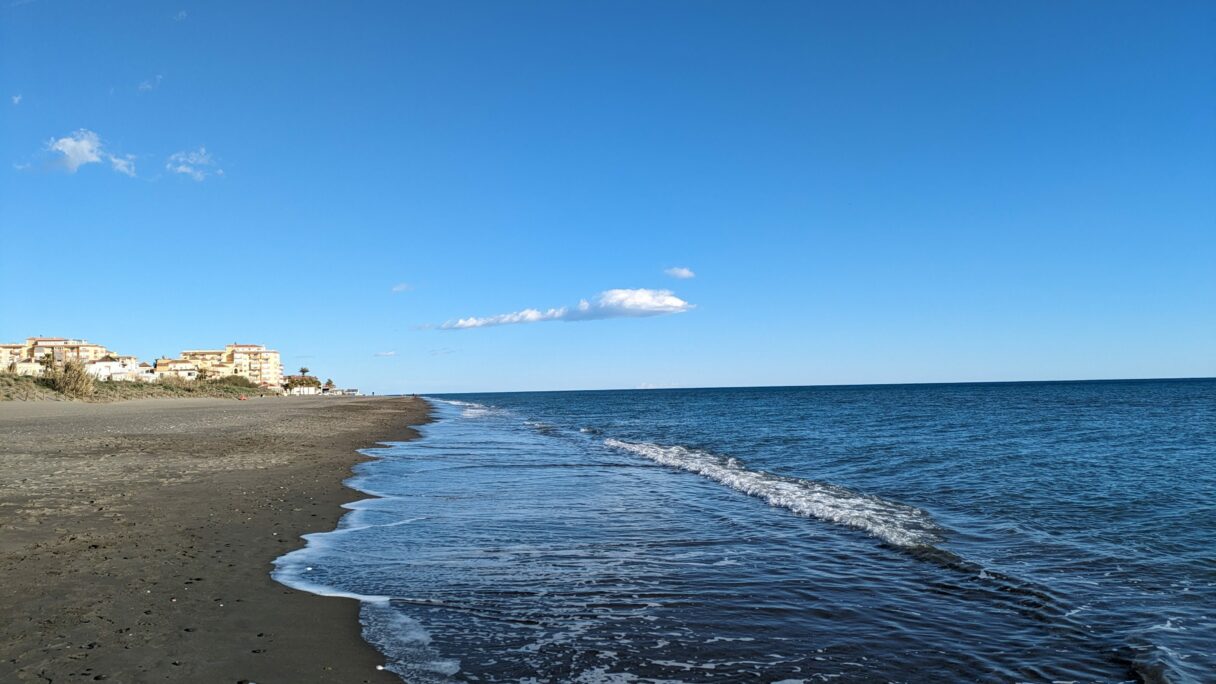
{"x": 304, "y": 370}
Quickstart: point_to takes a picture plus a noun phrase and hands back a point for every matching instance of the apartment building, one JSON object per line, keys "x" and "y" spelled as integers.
{"x": 58, "y": 349}
{"x": 212, "y": 363}
{"x": 178, "y": 368}
{"x": 255, "y": 362}
{"x": 62, "y": 349}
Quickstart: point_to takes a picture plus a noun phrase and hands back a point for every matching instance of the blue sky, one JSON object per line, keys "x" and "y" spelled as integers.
{"x": 864, "y": 192}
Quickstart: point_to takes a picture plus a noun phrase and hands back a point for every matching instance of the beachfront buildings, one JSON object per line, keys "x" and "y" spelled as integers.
{"x": 55, "y": 349}
{"x": 176, "y": 368}
{"x": 121, "y": 369}
{"x": 254, "y": 362}
{"x": 62, "y": 350}
{"x": 30, "y": 357}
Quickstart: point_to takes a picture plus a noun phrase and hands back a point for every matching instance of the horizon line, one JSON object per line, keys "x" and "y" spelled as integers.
{"x": 832, "y": 385}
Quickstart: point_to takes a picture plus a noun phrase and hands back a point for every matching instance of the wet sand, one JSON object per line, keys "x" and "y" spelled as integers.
{"x": 136, "y": 538}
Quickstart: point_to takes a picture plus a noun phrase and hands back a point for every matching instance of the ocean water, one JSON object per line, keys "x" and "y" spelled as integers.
{"x": 1030, "y": 532}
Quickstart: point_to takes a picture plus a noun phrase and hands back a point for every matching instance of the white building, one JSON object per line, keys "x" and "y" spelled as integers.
{"x": 106, "y": 370}
{"x": 31, "y": 368}
{"x": 144, "y": 372}
{"x": 121, "y": 369}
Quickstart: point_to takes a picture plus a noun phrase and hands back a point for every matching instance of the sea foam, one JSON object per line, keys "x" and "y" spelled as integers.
{"x": 471, "y": 409}
{"x": 892, "y": 522}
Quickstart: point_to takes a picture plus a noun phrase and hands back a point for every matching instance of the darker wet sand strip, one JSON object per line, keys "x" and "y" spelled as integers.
{"x": 136, "y": 538}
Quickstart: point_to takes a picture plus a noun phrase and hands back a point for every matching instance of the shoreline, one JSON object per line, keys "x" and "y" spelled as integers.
{"x": 137, "y": 538}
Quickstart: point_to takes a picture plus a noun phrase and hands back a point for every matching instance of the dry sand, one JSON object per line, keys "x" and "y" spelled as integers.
{"x": 136, "y": 538}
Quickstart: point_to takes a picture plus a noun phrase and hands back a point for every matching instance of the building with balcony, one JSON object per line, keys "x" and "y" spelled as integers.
{"x": 176, "y": 368}
{"x": 254, "y": 362}
{"x": 61, "y": 350}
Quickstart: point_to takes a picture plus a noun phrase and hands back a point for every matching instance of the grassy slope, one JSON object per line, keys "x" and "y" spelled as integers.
{"x": 22, "y": 388}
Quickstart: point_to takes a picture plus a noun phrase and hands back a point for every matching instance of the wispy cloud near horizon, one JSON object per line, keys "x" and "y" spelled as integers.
{"x": 620, "y": 303}
{"x": 402, "y": 287}
{"x": 385, "y": 354}
{"x": 680, "y": 272}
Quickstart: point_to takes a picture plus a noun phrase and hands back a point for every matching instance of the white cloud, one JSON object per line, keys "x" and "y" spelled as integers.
{"x": 525, "y": 316}
{"x": 402, "y": 287}
{"x": 386, "y": 353}
{"x": 680, "y": 272}
{"x": 85, "y": 147}
{"x": 17, "y": 99}
{"x": 80, "y": 148}
{"x": 150, "y": 84}
{"x": 123, "y": 165}
{"x": 198, "y": 164}
{"x": 180, "y": 16}
{"x": 621, "y": 303}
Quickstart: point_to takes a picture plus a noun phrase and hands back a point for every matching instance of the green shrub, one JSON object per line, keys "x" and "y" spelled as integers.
{"x": 235, "y": 381}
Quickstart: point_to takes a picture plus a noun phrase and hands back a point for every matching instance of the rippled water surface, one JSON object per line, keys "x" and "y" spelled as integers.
{"x": 998, "y": 532}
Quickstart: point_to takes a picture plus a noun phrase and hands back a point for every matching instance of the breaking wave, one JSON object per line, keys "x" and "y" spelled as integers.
{"x": 895, "y": 523}
{"x": 470, "y": 409}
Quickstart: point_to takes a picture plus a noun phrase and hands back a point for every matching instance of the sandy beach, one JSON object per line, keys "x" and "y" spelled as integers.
{"x": 136, "y": 538}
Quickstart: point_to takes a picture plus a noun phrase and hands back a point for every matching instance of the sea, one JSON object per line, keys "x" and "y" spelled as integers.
{"x": 1004, "y": 532}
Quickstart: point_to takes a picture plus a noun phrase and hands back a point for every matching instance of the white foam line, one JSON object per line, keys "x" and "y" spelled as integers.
{"x": 455, "y": 402}
{"x": 472, "y": 409}
{"x": 892, "y": 522}
{"x": 290, "y": 571}
{"x": 358, "y": 528}
{"x": 292, "y": 579}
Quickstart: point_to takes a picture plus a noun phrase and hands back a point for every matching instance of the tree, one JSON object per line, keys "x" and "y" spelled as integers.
{"x": 329, "y": 383}
{"x": 302, "y": 381}
{"x": 304, "y": 370}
